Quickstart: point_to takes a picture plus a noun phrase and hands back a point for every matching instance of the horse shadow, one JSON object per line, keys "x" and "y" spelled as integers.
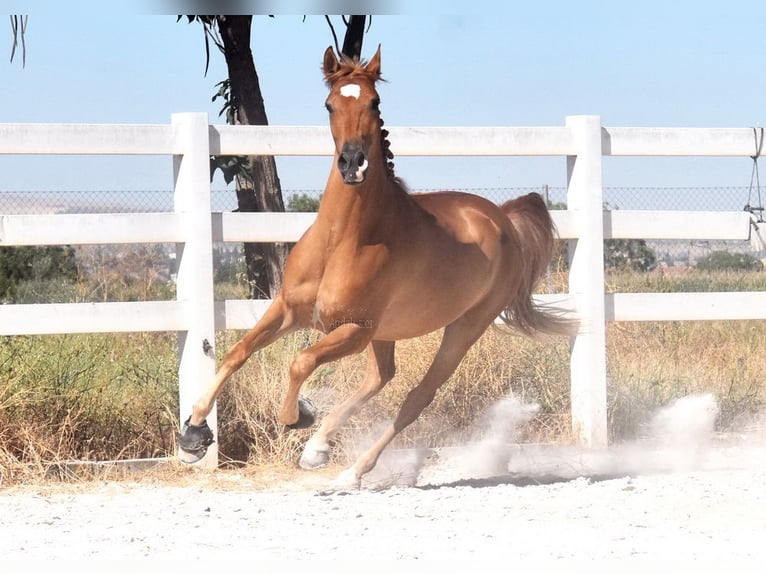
{"x": 520, "y": 480}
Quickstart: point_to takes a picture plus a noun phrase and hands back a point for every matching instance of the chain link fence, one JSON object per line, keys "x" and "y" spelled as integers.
{"x": 674, "y": 254}
{"x": 141, "y": 201}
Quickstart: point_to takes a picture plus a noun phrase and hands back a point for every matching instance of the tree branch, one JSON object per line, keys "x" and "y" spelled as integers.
{"x": 19, "y": 29}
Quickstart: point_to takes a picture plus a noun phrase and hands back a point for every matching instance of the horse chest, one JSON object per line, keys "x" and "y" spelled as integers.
{"x": 348, "y": 288}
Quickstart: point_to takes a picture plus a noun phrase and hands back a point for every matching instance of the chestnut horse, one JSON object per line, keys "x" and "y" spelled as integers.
{"x": 379, "y": 265}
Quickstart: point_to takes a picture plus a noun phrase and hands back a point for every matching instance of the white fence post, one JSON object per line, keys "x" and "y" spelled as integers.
{"x": 191, "y": 198}
{"x": 586, "y": 283}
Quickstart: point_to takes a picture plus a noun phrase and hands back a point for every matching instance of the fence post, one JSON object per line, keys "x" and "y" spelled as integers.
{"x": 191, "y": 198}
{"x": 586, "y": 283}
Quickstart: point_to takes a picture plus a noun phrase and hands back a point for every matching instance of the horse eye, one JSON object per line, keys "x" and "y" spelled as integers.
{"x": 328, "y": 107}
{"x": 375, "y": 104}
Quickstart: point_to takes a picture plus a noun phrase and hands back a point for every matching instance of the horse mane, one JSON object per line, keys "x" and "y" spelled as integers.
{"x": 386, "y": 145}
{"x": 348, "y": 68}
{"x": 351, "y": 67}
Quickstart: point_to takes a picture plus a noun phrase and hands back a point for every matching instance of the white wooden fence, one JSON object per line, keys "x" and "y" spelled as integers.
{"x": 195, "y": 315}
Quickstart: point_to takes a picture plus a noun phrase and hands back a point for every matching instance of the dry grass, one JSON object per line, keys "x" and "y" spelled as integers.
{"x": 649, "y": 364}
{"x": 85, "y": 397}
{"x": 106, "y": 397}
{"x": 499, "y": 364}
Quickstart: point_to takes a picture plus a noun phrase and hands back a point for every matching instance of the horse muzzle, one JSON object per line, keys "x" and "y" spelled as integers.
{"x": 353, "y": 164}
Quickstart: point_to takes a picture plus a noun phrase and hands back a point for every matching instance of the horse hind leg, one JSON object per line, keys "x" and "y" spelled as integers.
{"x": 458, "y": 337}
{"x": 380, "y": 370}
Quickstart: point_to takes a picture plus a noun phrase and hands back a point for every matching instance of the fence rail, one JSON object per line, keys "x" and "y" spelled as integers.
{"x": 195, "y": 315}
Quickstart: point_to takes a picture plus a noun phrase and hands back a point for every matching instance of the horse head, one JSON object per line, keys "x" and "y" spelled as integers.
{"x": 353, "y": 105}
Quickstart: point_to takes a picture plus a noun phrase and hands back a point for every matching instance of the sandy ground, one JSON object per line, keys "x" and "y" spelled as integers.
{"x": 652, "y": 500}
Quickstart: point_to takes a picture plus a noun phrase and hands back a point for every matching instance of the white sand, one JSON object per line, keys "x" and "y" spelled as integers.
{"x": 652, "y": 500}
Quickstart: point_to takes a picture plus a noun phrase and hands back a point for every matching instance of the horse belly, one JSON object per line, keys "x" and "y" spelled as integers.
{"x": 419, "y": 315}
{"x": 438, "y": 292}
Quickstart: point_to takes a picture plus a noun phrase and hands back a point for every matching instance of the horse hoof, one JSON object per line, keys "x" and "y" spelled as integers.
{"x": 313, "y": 459}
{"x": 191, "y": 457}
{"x": 347, "y": 480}
{"x": 193, "y": 441}
{"x": 307, "y": 414}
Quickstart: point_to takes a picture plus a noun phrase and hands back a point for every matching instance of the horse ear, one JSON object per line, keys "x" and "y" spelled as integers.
{"x": 373, "y": 66}
{"x": 330, "y": 63}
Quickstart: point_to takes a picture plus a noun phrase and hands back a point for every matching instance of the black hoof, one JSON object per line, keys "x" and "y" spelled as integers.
{"x": 194, "y": 440}
{"x": 307, "y": 414}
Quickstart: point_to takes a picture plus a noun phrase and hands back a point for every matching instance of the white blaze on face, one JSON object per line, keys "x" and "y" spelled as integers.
{"x": 350, "y": 91}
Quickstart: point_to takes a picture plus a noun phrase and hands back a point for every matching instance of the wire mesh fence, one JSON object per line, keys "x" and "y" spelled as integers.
{"x": 679, "y": 198}
{"x": 141, "y": 201}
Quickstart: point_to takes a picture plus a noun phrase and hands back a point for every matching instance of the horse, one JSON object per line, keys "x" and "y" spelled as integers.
{"x": 380, "y": 264}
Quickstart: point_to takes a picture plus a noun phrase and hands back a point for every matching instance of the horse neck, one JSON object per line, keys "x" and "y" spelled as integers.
{"x": 361, "y": 209}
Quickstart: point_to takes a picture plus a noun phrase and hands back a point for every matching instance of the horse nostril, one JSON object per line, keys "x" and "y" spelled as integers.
{"x": 352, "y": 162}
{"x": 358, "y": 158}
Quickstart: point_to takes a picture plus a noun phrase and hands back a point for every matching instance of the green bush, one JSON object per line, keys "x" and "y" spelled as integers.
{"x": 632, "y": 254}
{"x": 303, "y": 202}
{"x": 723, "y": 260}
{"x": 34, "y": 264}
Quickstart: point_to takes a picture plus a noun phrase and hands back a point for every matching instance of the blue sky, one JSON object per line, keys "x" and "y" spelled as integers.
{"x": 650, "y": 63}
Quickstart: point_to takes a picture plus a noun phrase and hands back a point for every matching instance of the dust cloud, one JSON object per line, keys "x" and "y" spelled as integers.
{"x": 679, "y": 437}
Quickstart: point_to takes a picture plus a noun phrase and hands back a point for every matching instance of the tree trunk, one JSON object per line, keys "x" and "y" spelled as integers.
{"x": 265, "y": 261}
{"x": 255, "y": 260}
{"x": 352, "y": 41}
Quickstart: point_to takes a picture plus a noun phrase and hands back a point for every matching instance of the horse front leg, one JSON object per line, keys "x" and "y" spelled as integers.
{"x": 380, "y": 370}
{"x": 196, "y": 436}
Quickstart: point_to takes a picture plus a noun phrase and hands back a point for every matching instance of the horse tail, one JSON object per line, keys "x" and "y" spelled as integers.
{"x": 537, "y": 234}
